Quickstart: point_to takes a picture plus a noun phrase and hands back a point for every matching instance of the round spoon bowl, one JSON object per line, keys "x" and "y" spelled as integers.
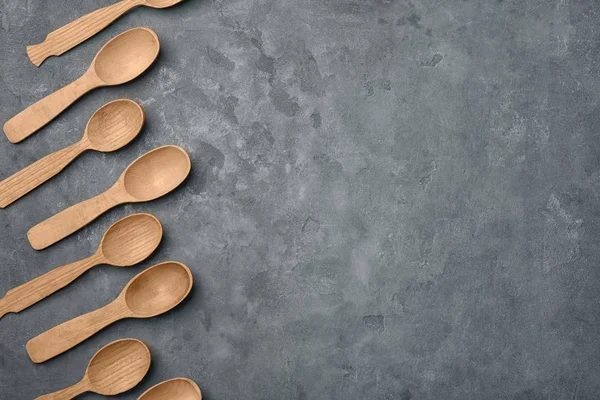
{"x": 131, "y": 240}
{"x": 156, "y": 173}
{"x": 114, "y": 125}
{"x": 126, "y": 56}
{"x": 158, "y": 289}
{"x": 178, "y": 388}
{"x": 162, "y": 3}
{"x": 118, "y": 367}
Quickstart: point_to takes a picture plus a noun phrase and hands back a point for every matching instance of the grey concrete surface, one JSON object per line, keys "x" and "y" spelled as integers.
{"x": 390, "y": 199}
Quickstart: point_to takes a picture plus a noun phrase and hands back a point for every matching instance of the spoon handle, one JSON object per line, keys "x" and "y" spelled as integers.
{"x": 34, "y": 117}
{"x": 69, "y": 221}
{"x": 67, "y": 335}
{"x": 67, "y": 393}
{"x": 78, "y": 31}
{"x": 29, "y": 293}
{"x": 18, "y": 185}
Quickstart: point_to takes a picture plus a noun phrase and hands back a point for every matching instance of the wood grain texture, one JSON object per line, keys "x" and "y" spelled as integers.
{"x": 111, "y": 127}
{"x": 116, "y": 368}
{"x": 125, "y": 243}
{"x": 153, "y": 175}
{"x": 120, "y": 60}
{"x": 152, "y": 292}
{"x": 78, "y": 31}
{"x": 177, "y": 388}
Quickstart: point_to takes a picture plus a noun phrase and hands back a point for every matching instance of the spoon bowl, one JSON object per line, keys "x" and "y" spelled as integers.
{"x": 118, "y": 367}
{"x": 178, "y": 388}
{"x": 156, "y": 173}
{"x": 114, "y": 125}
{"x": 158, "y": 289}
{"x": 126, "y": 56}
{"x": 131, "y": 240}
{"x": 161, "y": 3}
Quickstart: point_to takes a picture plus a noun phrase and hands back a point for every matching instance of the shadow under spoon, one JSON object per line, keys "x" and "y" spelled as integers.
{"x": 65, "y": 38}
{"x": 112, "y": 127}
{"x": 125, "y": 243}
{"x": 120, "y": 60}
{"x": 154, "y": 291}
{"x": 116, "y": 368}
{"x": 151, "y": 176}
{"x": 177, "y": 388}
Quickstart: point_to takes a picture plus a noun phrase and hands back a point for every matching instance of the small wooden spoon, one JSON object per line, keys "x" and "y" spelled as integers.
{"x": 112, "y": 126}
{"x": 116, "y": 368}
{"x": 120, "y": 60}
{"x": 127, "y": 242}
{"x": 65, "y": 38}
{"x": 150, "y": 293}
{"x": 178, "y": 388}
{"x": 151, "y": 176}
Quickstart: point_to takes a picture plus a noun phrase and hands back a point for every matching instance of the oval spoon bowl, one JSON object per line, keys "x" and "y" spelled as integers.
{"x": 126, "y": 56}
{"x": 162, "y": 3}
{"x": 131, "y": 239}
{"x": 158, "y": 289}
{"x": 114, "y": 125}
{"x": 118, "y": 367}
{"x": 156, "y": 173}
{"x": 177, "y": 388}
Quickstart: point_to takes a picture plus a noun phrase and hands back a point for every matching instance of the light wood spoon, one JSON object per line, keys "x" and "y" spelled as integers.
{"x": 178, "y": 388}
{"x": 151, "y": 176}
{"x": 120, "y": 60}
{"x": 112, "y": 126}
{"x": 116, "y": 368}
{"x": 150, "y": 293}
{"x": 76, "y": 32}
{"x": 127, "y": 242}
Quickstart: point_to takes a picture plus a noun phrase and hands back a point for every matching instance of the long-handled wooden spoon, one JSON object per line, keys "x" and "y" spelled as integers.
{"x": 120, "y": 60}
{"x": 76, "y": 32}
{"x": 178, "y": 388}
{"x": 112, "y": 126}
{"x": 153, "y": 175}
{"x": 116, "y": 368}
{"x": 127, "y": 242}
{"x": 150, "y": 293}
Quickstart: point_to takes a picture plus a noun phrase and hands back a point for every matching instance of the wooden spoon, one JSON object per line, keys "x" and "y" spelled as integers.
{"x": 112, "y": 126}
{"x": 116, "y": 368}
{"x": 127, "y": 242}
{"x": 150, "y": 293}
{"x": 76, "y": 32}
{"x": 153, "y": 175}
{"x": 120, "y": 60}
{"x": 178, "y": 388}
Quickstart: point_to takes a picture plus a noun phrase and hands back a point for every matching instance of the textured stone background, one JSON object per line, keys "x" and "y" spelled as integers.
{"x": 390, "y": 199}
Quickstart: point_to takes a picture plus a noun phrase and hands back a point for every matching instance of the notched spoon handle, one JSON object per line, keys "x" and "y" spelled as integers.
{"x": 67, "y": 393}
{"x": 65, "y": 38}
{"x": 18, "y": 185}
{"x": 70, "y": 220}
{"x": 69, "y": 334}
{"x": 29, "y": 293}
{"x": 31, "y": 119}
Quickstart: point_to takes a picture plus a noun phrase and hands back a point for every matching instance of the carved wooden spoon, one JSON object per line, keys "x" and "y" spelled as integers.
{"x": 116, "y": 368}
{"x": 127, "y": 242}
{"x": 112, "y": 126}
{"x": 178, "y": 388}
{"x": 150, "y": 293}
{"x": 153, "y": 175}
{"x": 120, "y": 60}
{"x": 76, "y": 32}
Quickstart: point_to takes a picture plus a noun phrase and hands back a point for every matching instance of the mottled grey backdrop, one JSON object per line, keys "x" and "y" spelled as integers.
{"x": 390, "y": 199}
